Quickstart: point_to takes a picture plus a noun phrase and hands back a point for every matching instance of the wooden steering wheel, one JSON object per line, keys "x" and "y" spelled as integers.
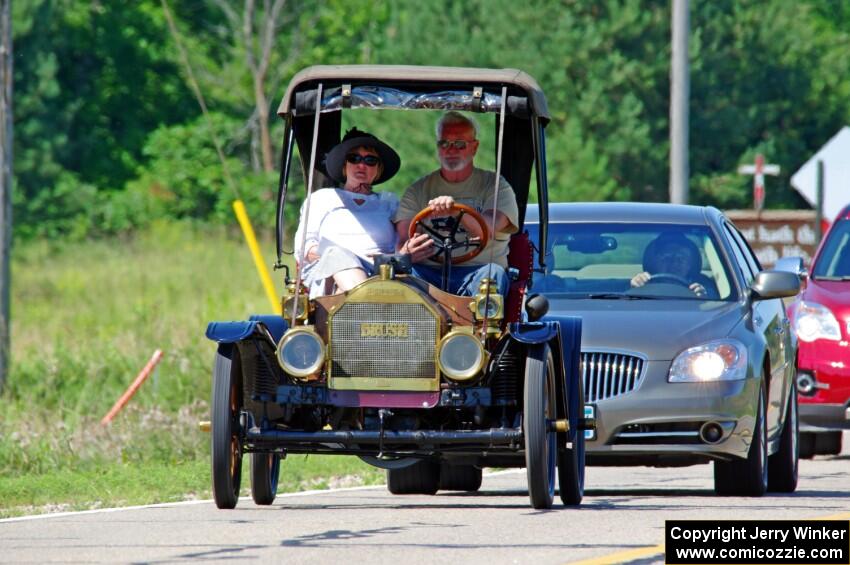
{"x": 446, "y": 238}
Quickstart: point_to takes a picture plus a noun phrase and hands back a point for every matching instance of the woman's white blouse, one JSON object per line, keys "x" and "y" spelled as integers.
{"x": 360, "y": 223}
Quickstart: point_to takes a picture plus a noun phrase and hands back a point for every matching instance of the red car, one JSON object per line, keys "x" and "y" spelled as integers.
{"x": 821, "y": 320}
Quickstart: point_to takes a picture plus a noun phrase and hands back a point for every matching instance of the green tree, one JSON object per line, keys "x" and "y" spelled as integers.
{"x": 92, "y": 80}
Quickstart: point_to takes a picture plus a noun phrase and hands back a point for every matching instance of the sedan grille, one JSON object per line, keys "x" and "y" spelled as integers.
{"x": 383, "y": 340}
{"x": 606, "y": 375}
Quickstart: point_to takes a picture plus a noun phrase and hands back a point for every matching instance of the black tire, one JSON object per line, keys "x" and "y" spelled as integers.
{"x": 807, "y": 445}
{"x": 460, "y": 477}
{"x": 783, "y": 466}
{"x": 746, "y": 477}
{"x": 538, "y": 410}
{"x": 571, "y": 460}
{"x": 423, "y": 477}
{"x": 828, "y": 443}
{"x": 265, "y": 470}
{"x": 226, "y": 444}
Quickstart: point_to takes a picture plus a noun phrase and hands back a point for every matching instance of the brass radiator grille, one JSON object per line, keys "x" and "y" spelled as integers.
{"x": 383, "y": 340}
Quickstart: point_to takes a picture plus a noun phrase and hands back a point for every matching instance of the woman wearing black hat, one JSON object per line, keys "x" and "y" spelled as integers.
{"x": 348, "y": 225}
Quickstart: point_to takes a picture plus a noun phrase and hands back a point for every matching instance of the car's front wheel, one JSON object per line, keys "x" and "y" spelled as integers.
{"x": 226, "y": 448}
{"x": 783, "y": 465}
{"x": 746, "y": 477}
{"x": 538, "y": 411}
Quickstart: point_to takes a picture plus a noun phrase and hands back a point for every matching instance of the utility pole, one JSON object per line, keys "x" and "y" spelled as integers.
{"x": 5, "y": 181}
{"x": 679, "y": 94}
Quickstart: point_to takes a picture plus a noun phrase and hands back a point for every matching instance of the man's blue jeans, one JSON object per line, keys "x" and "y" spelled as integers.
{"x": 464, "y": 280}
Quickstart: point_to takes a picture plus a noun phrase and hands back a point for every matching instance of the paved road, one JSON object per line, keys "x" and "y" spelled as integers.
{"x": 621, "y": 520}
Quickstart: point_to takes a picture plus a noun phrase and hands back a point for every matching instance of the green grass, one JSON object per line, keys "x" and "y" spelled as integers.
{"x": 111, "y": 485}
{"x": 86, "y": 318}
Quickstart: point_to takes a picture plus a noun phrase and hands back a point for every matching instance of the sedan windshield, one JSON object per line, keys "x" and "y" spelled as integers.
{"x": 834, "y": 260}
{"x": 608, "y": 261}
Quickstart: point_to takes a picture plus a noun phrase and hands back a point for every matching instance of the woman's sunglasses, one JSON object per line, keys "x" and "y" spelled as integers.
{"x": 368, "y": 160}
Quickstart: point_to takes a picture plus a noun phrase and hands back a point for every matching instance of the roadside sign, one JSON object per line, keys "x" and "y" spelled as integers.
{"x": 774, "y": 234}
{"x": 758, "y": 170}
{"x": 835, "y": 155}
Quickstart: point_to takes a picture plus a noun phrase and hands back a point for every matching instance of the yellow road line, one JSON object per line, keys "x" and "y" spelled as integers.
{"x": 623, "y": 556}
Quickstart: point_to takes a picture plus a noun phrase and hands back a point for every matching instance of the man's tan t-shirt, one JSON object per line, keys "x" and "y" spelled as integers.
{"x": 476, "y": 192}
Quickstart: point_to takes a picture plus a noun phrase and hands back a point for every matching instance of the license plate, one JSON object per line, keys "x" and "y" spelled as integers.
{"x": 590, "y": 412}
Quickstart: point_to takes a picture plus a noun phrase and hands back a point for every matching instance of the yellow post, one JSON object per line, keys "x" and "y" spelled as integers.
{"x": 248, "y": 231}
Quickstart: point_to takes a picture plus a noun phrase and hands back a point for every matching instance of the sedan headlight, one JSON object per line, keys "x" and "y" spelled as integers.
{"x": 813, "y": 321}
{"x": 301, "y": 352}
{"x": 721, "y": 360}
{"x": 460, "y": 356}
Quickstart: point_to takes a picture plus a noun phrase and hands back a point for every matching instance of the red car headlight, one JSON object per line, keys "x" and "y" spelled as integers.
{"x": 814, "y": 321}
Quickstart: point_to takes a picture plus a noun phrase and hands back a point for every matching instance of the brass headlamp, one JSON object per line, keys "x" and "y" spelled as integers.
{"x": 489, "y": 304}
{"x": 300, "y": 301}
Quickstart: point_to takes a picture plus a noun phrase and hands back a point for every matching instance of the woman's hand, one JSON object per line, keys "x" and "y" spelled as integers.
{"x": 313, "y": 254}
{"x": 419, "y": 247}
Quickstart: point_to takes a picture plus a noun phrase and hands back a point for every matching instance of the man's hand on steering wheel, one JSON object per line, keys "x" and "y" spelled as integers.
{"x": 442, "y": 206}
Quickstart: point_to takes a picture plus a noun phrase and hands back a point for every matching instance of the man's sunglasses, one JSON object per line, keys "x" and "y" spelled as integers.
{"x": 368, "y": 160}
{"x": 459, "y": 144}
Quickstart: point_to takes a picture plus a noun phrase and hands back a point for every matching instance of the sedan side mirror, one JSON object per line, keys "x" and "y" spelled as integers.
{"x": 775, "y": 284}
{"x": 792, "y": 265}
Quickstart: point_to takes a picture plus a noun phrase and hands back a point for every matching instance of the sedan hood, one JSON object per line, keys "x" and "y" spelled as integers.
{"x": 658, "y": 329}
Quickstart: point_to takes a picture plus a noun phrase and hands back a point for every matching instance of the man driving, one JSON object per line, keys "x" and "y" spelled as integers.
{"x": 458, "y": 181}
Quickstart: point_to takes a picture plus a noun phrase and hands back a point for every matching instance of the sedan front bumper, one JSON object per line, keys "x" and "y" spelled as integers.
{"x": 661, "y": 421}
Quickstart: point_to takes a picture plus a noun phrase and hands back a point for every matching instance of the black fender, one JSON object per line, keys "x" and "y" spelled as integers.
{"x": 532, "y": 333}
{"x": 277, "y": 325}
{"x": 571, "y": 354}
{"x": 269, "y": 326}
{"x": 563, "y": 335}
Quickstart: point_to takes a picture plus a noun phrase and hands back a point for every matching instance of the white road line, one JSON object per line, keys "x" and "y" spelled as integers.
{"x": 192, "y": 502}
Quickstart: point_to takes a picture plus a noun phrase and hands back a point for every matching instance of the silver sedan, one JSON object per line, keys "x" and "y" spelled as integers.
{"x": 687, "y": 356}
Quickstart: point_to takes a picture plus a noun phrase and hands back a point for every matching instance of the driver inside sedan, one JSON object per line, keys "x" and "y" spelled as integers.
{"x": 458, "y": 181}
{"x": 673, "y": 258}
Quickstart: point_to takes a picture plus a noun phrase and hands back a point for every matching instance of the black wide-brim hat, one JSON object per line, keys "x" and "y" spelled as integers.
{"x": 354, "y": 138}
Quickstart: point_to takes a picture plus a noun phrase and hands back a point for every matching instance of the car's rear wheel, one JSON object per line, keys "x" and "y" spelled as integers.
{"x": 265, "y": 470}
{"x": 226, "y": 446}
{"x": 423, "y": 477}
{"x": 460, "y": 477}
{"x": 538, "y": 411}
{"x": 783, "y": 465}
{"x": 746, "y": 477}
